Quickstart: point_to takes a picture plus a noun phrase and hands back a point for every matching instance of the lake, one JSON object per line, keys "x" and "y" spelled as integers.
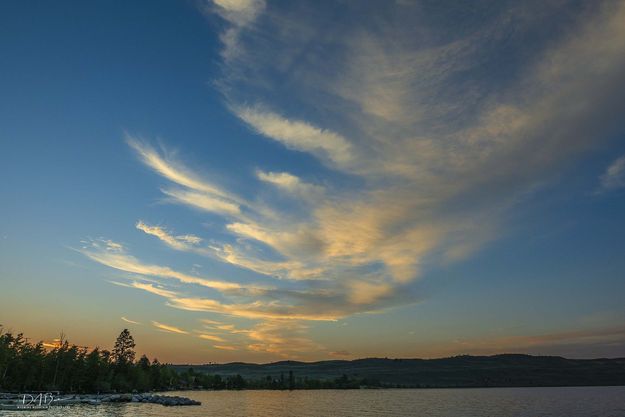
{"x": 467, "y": 402}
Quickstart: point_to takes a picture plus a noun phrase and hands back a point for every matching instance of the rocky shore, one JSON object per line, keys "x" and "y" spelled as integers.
{"x": 95, "y": 399}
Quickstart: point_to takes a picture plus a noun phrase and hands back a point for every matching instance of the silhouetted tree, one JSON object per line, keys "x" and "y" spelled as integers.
{"x": 123, "y": 351}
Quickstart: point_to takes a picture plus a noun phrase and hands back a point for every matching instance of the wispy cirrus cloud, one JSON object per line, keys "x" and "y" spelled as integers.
{"x": 128, "y": 263}
{"x": 197, "y": 192}
{"x": 210, "y": 323}
{"x": 167, "y": 328}
{"x": 225, "y": 347}
{"x": 239, "y": 12}
{"x": 429, "y": 140}
{"x": 228, "y": 253}
{"x": 440, "y": 128}
{"x": 168, "y": 168}
{"x": 160, "y": 291}
{"x": 298, "y": 135}
{"x": 129, "y": 321}
{"x": 203, "y": 201}
{"x": 260, "y": 302}
{"x": 293, "y": 270}
{"x": 293, "y": 185}
{"x": 180, "y": 242}
{"x": 283, "y": 338}
{"x": 211, "y": 337}
{"x": 280, "y": 337}
{"x": 231, "y": 328}
{"x": 614, "y": 176}
{"x": 256, "y": 310}
{"x": 241, "y": 15}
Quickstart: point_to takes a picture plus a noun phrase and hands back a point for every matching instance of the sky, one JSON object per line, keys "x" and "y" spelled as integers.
{"x": 249, "y": 180}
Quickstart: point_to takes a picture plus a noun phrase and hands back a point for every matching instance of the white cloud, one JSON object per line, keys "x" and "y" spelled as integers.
{"x": 171, "y": 170}
{"x": 198, "y": 192}
{"x": 240, "y": 14}
{"x": 228, "y": 253}
{"x": 298, "y": 135}
{"x": 292, "y": 185}
{"x": 203, "y": 201}
{"x": 614, "y": 176}
{"x": 128, "y": 263}
{"x": 293, "y": 270}
{"x": 182, "y": 242}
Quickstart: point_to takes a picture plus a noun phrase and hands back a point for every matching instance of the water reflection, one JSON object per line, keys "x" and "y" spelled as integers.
{"x": 500, "y": 402}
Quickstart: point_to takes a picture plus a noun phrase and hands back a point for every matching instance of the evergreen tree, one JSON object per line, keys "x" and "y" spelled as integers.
{"x": 123, "y": 351}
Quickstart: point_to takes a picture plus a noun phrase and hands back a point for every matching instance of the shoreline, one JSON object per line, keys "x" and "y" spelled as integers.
{"x": 95, "y": 399}
{"x": 127, "y": 397}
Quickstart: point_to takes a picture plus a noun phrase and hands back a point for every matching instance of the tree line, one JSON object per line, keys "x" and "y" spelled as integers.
{"x": 200, "y": 380}
{"x": 26, "y": 366}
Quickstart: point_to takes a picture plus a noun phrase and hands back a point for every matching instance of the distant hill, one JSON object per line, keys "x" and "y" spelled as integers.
{"x": 508, "y": 370}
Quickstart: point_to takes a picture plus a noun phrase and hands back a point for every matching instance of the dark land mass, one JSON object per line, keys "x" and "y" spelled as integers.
{"x": 509, "y": 370}
{"x": 67, "y": 368}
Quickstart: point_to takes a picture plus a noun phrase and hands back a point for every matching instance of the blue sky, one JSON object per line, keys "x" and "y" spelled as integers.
{"x": 251, "y": 180}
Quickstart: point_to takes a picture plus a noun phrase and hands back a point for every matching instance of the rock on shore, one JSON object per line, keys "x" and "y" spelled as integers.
{"x": 148, "y": 398}
{"x": 165, "y": 400}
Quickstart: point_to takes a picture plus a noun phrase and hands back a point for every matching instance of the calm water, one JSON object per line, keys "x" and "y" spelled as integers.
{"x": 494, "y": 402}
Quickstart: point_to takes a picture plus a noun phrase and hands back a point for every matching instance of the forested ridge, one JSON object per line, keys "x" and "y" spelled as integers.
{"x": 504, "y": 370}
{"x": 26, "y": 366}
